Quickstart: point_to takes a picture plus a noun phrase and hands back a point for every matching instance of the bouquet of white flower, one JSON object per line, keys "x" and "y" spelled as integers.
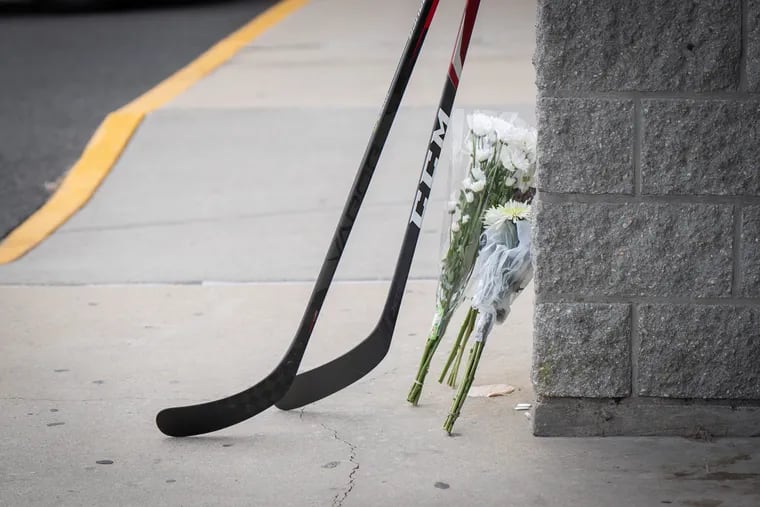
{"x": 499, "y": 166}
{"x": 502, "y": 270}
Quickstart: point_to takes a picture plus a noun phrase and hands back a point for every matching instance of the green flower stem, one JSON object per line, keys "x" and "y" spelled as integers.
{"x": 452, "y": 381}
{"x": 472, "y": 364}
{"x": 433, "y": 340}
{"x": 457, "y": 345}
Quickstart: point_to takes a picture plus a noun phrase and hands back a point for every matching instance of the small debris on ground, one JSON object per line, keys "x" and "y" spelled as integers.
{"x": 490, "y": 391}
{"x": 523, "y": 406}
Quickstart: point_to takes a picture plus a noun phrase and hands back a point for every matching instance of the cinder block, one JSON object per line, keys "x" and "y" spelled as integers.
{"x": 644, "y": 45}
{"x": 699, "y": 351}
{"x": 700, "y": 147}
{"x": 753, "y": 45}
{"x": 750, "y": 255}
{"x": 582, "y": 349}
{"x": 635, "y": 249}
{"x": 586, "y": 145}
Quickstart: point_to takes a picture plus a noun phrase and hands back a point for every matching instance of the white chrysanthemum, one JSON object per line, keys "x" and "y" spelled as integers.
{"x": 467, "y": 183}
{"x": 522, "y": 137}
{"x": 478, "y": 186}
{"x": 512, "y": 210}
{"x": 502, "y": 129}
{"x": 451, "y": 206}
{"x": 531, "y": 139}
{"x": 510, "y": 134}
{"x": 505, "y": 158}
{"x": 469, "y": 197}
{"x": 518, "y": 158}
{"x": 483, "y": 153}
{"x": 465, "y": 219}
{"x": 478, "y": 173}
{"x": 455, "y": 227}
{"x": 480, "y": 124}
{"x": 524, "y": 181}
{"x": 510, "y": 181}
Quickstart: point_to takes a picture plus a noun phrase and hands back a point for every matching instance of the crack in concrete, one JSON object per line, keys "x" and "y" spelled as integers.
{"x": 341, "y": 497}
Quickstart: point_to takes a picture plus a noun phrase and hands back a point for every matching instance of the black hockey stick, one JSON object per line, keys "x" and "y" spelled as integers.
{"x": 343, "y": 371}
{"x": 219, "y": 414}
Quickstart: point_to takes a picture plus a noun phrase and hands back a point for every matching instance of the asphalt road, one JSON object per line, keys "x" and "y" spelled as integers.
{"x": 60, "y": 74}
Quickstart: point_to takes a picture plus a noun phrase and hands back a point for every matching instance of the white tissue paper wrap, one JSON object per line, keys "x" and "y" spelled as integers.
{"x": 502, "y": 270}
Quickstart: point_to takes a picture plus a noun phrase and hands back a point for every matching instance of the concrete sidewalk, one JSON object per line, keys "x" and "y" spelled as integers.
{"x": 240, "y": 181}
{"x": 90, "y": 366}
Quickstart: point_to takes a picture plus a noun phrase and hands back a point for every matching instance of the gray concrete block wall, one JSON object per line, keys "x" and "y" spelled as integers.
{"x": 750, "y": 247}
{"x": 598, "y": 135}
{"x": 590, "y": 349}
{"x": 632, "y": 249}
{"x": 647, "y": 220}
{"x": 648, "y": 45}
{"x": 715, "y": 144}
{"x": 752, "y": 28}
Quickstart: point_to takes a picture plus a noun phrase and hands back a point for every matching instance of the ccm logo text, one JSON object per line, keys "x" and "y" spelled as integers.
{"x": 431, "y": 161}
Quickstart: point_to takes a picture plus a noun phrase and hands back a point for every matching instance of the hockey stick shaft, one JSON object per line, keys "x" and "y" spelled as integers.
{"x": 440, "y": 128}
{"x": 219, "y": 414}
{"x": 295, "y": 352}
{"x": 343, "y": 371}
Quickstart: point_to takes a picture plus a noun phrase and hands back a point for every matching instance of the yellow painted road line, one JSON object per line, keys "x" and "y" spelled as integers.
{"x": 113, "y": 134}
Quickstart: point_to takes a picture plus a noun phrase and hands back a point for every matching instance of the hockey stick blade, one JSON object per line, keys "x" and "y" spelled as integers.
{"x": 324, "y": 380}
{"x": 220, "y": 414}
{"x": 343, "y": 371}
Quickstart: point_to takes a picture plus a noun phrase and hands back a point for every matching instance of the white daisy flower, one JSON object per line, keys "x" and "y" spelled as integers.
{"x": 511, "y": 210}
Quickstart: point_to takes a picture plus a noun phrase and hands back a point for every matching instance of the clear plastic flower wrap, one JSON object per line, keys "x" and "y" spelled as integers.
{"x": 495, "y": 155}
